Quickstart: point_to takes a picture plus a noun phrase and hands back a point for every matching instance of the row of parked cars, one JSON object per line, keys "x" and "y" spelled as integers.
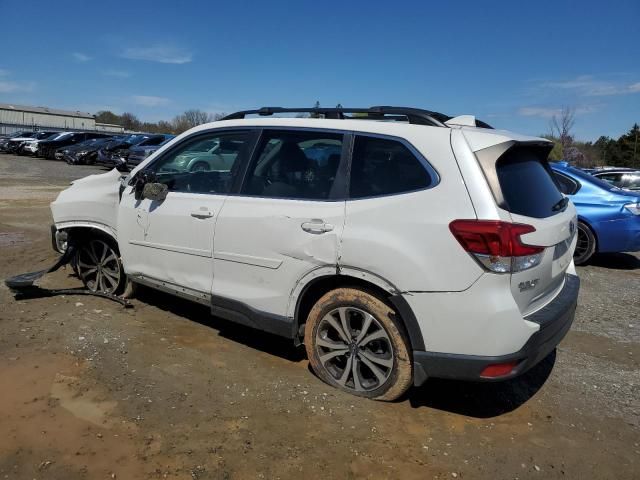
{"x": 84, "y": 148}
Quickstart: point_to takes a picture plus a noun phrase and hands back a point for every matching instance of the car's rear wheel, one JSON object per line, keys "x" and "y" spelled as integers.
{"x": 354, "y": 343}
{"x": 99, "y": 266}
{"x": 200, "y": 167}
{"x": 585, "y": 246}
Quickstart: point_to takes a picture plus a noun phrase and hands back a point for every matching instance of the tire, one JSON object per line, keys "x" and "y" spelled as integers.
{"x": 586, "y": 245}
{"x": 99, "y": 265}
{"x": 199, "y": 167}
{"x": 346, "y": 363}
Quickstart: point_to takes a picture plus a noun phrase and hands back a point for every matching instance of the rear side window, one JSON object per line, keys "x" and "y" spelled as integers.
{"x": 382, "y": 166}
{"x": 294, "y": 164}
{"x": 567, "y": 185}
{"x": 526, "y": 184}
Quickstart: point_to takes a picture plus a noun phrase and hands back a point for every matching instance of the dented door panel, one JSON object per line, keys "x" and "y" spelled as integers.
{"x": 262, "y": 247}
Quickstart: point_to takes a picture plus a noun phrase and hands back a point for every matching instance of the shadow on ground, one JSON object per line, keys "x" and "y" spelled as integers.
{"x": 482, "y": 399}
{"x": 256, "y": 339}
{"x": 479, "y": 400}
{"x": 615, "y": 261}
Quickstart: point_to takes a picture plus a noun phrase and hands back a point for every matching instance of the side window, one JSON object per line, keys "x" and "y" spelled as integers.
{"x": 631, "y": 181}
{"x": 385, "y": 167}
{"x": 566, "y": 185}
{"x": 297, "y": 165}
{"x": 612, "y": 178}
{"x": 198, "y": 165}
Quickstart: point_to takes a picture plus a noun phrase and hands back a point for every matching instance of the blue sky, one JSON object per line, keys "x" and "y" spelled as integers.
{"x": 513, "y": 64}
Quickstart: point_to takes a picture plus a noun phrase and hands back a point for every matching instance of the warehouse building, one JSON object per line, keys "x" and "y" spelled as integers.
{"x": 19, "y": 117}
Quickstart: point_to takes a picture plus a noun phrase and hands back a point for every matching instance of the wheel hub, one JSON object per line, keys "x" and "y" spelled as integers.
{"x": 354, "y": 349}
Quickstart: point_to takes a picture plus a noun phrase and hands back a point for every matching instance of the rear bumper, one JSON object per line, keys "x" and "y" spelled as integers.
{"x": 555, "y": 321}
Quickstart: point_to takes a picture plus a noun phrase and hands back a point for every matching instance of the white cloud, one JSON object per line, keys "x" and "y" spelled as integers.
{"x": 116, "y": 73}
{"x": 548, "y": 112}
{"x": 590, "y": 86}
{"x": 13, "y": 87}
{"x": 158, "y": 53}
{"x": 81, "y": 57}
{"x": 149, "y": 101}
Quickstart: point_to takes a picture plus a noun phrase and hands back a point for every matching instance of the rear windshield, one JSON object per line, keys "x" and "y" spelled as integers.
{"x": 527, "y": 185}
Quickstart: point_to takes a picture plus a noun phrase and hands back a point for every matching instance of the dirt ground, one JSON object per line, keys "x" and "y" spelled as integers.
{"x": 89, "y": 390}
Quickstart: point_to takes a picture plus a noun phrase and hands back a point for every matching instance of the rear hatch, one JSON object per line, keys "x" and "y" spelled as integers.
{"x": 523, "y": 185}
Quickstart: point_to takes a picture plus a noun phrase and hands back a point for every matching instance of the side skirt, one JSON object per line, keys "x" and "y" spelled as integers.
{"x": 243, "y": 314}
{"x": 232, "y": 310}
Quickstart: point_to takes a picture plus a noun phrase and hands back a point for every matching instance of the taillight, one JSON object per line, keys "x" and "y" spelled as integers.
{"x": 497, "y": 245}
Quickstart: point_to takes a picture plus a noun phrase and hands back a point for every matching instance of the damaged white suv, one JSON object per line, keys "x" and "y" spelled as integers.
{"x": 397, "y": 244}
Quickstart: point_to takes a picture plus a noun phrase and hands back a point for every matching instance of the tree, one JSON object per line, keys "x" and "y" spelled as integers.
{"x": 315, "y": 115}
{"x": 561, "y": 127}
{"x": 106, "y": 116}
{"x": 129, "y": 121}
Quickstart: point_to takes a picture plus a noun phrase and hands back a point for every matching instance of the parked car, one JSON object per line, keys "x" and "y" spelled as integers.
{"x": 83, "y": 153}
{"x": 138, "y": 153}
{"x": 625, "y": 178}
{"x": 47, "y": 149}
{"x": 5, "y": 142}
{"x": 18, "y": 145}
{"x": 431, "y": 247}
{"x": 209, "y": 155}
{"x": 114, "y": 154}
{"x": 19, "y": 133}
{"x": 608, "y": 217}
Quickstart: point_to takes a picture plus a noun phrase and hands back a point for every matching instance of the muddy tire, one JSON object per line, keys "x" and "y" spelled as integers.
{"x": 355, "y": 343}
{"x": 99, "y": 265}
{"x": 586, "y": 246}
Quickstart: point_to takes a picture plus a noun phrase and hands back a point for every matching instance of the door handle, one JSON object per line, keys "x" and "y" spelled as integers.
{"x": 202, "y": 214}
{"x": 316, "y": 226}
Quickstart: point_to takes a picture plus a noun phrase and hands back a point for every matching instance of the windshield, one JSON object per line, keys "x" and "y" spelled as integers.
{"x": 61, "y": 136}
{"x": 41, "y": 135}
{"x": 21, "y": 134}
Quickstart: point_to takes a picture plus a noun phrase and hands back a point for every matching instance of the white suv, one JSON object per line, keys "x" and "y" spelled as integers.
{"x": 397, "y": 244}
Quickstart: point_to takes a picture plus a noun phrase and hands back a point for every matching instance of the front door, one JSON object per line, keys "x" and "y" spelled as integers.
{"x": 286, "y": 221}
{"x": 170, "y": 242}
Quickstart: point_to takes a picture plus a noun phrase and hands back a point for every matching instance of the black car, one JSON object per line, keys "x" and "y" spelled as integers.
{"x": 115, "y": 154}
{"x": 625, "y": 178}
{"x": 83, "y": 153}
{"x": 138, "y": 153}
{"x": 48, "y": 149}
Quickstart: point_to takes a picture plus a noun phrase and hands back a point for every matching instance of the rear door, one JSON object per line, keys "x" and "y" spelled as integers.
{"x": 526, "y": 189}
{"x": 286, "y": 222}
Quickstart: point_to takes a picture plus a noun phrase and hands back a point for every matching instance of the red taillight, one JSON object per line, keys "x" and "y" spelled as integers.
{"x": 493, "y": 237}
{"x": 498, "y": 370}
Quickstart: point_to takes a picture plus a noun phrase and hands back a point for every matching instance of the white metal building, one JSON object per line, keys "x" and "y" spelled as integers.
{"x": 20, "y": 117}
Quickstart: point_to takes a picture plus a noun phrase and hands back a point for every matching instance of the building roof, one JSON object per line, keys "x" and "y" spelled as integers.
{"x": 45, "y": 110}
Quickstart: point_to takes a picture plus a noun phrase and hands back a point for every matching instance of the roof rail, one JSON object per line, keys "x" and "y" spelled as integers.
{"x": 415, "y": 116}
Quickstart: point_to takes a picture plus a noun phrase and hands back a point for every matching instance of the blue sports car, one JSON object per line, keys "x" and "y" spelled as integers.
{"x": 608, "y": 217}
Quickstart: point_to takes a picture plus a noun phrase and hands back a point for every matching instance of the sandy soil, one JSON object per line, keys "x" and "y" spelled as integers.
{"x": 90, "y": 390}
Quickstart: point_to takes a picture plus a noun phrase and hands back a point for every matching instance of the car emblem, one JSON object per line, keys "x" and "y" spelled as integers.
{"x": 528, "y": 285}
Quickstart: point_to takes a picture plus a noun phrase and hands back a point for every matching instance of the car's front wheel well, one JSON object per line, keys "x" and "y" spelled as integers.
{"x": 79, "y": 235}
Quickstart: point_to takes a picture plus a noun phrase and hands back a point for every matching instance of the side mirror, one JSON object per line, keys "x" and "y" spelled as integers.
{"x": 155, "y": 191}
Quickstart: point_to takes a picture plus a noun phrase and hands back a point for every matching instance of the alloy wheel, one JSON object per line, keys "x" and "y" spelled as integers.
{"x": 354, "y": 348}
{"x": 98, "y": 266}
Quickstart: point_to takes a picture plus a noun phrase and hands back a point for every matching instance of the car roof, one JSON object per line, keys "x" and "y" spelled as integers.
{"x": 474, "y": 135}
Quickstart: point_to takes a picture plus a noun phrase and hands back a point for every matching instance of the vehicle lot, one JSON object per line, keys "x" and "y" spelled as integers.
{"x": 165, "y": 391}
